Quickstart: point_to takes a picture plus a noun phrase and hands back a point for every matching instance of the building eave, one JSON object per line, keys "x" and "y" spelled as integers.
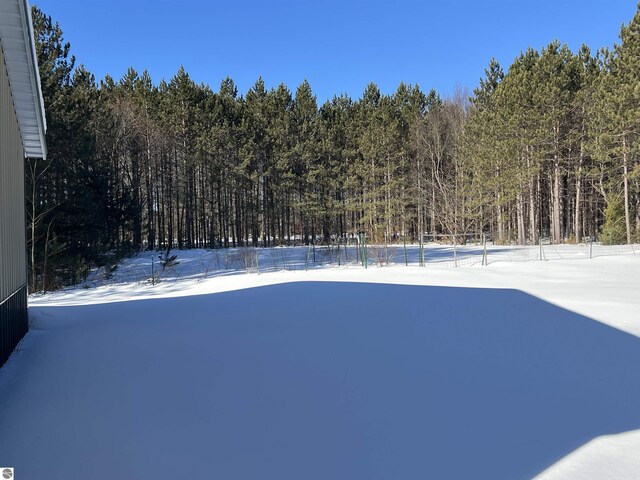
{"x": 18, "y": 47}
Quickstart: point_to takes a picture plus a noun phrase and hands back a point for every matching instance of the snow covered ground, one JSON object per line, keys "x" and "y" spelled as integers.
{"x": 202, "y": 264}
{"x": 511, "y": 370}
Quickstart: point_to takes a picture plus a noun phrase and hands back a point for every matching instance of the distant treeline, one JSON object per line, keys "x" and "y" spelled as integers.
{"x": 549, "y": 148}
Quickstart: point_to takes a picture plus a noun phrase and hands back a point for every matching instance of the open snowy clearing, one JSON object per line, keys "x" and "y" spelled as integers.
{"x": 516, "y": 369}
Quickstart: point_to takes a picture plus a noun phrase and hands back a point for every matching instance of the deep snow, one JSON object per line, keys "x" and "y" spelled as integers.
{"x": 506, "y": 371}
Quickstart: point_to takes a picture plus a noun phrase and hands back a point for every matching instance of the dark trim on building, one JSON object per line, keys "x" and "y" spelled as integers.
{"x": 14, "y": 322}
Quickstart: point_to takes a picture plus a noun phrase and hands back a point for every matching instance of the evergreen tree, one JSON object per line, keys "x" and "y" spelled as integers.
{"x": 619, "y": 114}
{"x": 549, "y": 147}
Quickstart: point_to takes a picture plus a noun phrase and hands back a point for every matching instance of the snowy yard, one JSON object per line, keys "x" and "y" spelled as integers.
{"x": 516, "y": 369}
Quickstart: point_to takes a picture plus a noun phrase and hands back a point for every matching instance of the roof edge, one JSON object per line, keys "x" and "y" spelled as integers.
{"x": 35, "y": 74}
{"x": 21, "y": 61}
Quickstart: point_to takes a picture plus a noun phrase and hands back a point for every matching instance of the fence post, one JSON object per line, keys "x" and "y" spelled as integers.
{"x": 153, "y": 275}
{"x": 590, "y": 248}
{"x": 404, "y": 240}
{"x": 386, "y": 249}
{"x": 338, "y": 253}
{"x": 455, "y": 255}
{"x": 485, "y": 261}
{"x": 364, "y": 251}
{"x": 257, "y": 263}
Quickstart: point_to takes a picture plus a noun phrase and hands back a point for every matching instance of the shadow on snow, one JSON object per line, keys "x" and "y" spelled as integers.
{"x": 316, "y": 380}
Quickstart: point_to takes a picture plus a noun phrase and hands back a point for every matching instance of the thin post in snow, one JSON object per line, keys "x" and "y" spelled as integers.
{"x": 404, "y": 240}
{"x": 386, "y": 254}
{"x": 364, "y": 251}
{"x": 257, "y": 263}
{"x": 485, "y": 261}
{"x": 363, "y": 247}
{"x": 455, "y": 255}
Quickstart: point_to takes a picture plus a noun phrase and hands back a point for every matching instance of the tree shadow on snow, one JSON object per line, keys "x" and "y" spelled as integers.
{"x": 324, "y": 380}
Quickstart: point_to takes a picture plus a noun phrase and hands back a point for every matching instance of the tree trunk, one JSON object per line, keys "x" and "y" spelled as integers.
{"x": 556, "y": 213}
{"x": 578, "y": 207}
{"x": 520, "y": 218}
{"x": 627, "y": 216}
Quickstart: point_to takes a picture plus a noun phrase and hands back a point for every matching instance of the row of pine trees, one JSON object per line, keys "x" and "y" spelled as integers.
{"x": 549, "y": 148}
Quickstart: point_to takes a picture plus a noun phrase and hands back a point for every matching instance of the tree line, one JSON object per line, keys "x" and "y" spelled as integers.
{"x": 548, "y": 148}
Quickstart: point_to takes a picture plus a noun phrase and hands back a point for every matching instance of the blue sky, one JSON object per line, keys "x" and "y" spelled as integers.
{"x": 339, "y": 46}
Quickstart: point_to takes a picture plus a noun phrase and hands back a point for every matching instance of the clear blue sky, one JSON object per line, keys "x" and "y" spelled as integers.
{"x": 339, "y": 46}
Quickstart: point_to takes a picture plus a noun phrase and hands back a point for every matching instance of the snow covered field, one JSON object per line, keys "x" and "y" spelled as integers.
{"x": 511, "y": 370}
{"x": 203, "y": 264}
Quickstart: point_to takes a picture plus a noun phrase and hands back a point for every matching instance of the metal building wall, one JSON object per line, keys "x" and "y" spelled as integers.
{"x": 13, "y": 260}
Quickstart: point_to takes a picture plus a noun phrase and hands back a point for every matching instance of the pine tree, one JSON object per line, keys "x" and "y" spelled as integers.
{"x": 619, "y": 112}
{"x": 305, "y": 158}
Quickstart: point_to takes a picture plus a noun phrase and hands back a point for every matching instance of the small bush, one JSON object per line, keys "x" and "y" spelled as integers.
{"x": 613, "y": 230}
{"x": 167, "y": 260}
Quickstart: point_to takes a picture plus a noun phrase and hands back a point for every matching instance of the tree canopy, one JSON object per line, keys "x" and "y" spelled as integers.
{"x": 550, "y": 147}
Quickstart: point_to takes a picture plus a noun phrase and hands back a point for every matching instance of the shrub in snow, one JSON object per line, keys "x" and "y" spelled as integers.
{"x": 613, "y": 230}
{"x": 168, "y": 261}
